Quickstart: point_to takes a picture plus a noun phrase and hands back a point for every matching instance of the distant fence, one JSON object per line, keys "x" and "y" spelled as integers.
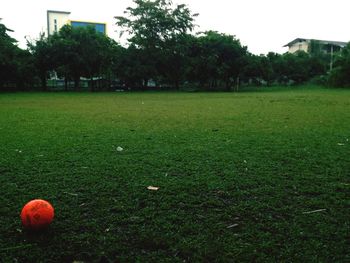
{"x": 84, "y": 85}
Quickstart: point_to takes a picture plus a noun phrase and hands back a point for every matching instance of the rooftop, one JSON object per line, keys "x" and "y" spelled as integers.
{"x": 325, "y": 42}
{"x": 58, "y": 12}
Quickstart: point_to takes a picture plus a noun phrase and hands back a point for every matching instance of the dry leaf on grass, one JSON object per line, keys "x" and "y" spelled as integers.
{"x": 119, "y": 149}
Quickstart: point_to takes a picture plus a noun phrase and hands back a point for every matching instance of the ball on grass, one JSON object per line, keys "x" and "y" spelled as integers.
{"x": 37, "y": 214}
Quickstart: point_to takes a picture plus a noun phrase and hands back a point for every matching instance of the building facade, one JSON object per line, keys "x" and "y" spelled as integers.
{"x": 57, "y": 19}
{"x": 304, "y": 44}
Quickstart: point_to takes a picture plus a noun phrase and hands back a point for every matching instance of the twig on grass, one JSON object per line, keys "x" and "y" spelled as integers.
{"x": 16, "y": 247}
{"x": 73, "y": 194}
{"x": 315, "y": 211}
{"x": 231, "y": 226}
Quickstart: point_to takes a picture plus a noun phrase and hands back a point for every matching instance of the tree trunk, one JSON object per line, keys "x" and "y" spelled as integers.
{"x": 145, "y": 84}
{"x": 177, "y": 84}
{"x": 76, "y": 83}
{"x": 228, "y": 84}
{"x": 65, "y": 83}
{"x": 43, "y": 81}
{"x": 237, "y": 84}
{"x": 215, "y": 83}
{"x": 92, "y": 84}
{"x": 109, "y": 83}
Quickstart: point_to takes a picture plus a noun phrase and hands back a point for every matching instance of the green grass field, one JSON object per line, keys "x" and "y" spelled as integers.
{"x": 240, "y": 176}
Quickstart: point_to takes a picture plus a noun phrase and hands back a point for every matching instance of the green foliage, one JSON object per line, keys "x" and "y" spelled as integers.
{"x": 258, "y": 70}
{"x": 25, "y": 77}
{"x": 16, "y": 65}
{"x": 159, "y": 30}
{"x": 293, "y": 68}
{"x": 152, "y": 23}
{"x": 73, "y": 53}
{"x": 340, "y": 76}
{"x": 217, "y": 60}
{"x": 42, "y": 52}
{"x": 133, "y": 66}
{"x": 162, "y": 51}
{"x": 174, "y": 64}
{"x": 315, "y": 48}
{"x": 84, "y": 52}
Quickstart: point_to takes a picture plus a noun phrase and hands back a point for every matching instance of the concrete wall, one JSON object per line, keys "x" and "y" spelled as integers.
{"x": 56, "y": 20}
{"x": 299, "y": 46}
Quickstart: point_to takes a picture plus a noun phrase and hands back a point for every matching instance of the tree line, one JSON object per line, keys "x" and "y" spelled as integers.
{"x": 162, "y": 52}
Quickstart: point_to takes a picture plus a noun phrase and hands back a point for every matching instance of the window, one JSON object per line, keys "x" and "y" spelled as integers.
{"x": 55, "y": 24}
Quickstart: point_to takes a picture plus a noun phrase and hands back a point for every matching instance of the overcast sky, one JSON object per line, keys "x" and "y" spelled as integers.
{"x": 262, "y": 25}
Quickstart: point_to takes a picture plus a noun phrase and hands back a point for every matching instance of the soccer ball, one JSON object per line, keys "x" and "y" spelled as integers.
{"x": 37, "y": 214}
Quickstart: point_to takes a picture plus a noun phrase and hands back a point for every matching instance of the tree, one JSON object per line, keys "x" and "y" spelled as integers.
{"x": 175, "y": 59}
{"x": 218, "y": 60}
{"x": 73, "y": 53}
{"x": 257, "y": 69}
{"x": 131, "y": 67}
{"x": 76, "y": 53}
{"x": 152, "y": 23}
{"x": 25, "y": 70}
{"x": 8, "y": 51}
{"x": 296, "y": 68}
{"x": 158, "y": 30}
{"x": 319, "y": 58}
{"x": 41, "y": 50}
{"x": 16, "y": 65}
{"x": 340, "y": 75}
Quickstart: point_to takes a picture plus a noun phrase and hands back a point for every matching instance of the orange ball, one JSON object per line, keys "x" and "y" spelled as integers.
{"x": 37, "y": 214}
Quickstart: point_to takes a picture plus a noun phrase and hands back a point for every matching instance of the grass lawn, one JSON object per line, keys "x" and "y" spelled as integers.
{"x": 240, "y": 176}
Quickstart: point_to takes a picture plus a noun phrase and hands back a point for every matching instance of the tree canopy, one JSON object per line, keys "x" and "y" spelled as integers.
{"x": 340, "y": 76}
{"x": 73, "y": 53}
{"x": 151, "y": 24}
{"x": 16, "y": 65}
{"x": 162, "y": 52}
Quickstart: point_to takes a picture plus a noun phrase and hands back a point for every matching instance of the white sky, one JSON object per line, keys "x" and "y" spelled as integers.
{"x": 262, "y": 25}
